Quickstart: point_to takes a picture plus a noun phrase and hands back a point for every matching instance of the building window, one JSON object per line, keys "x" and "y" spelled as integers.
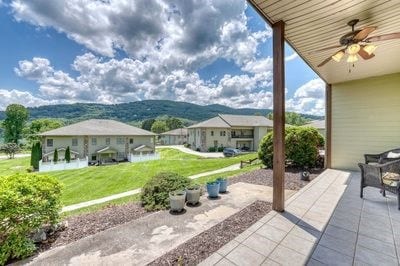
{"x": 94, "y": 141}
{"x": 74, "y": 142}
{"x": 130, "y": 141}
{"x": 212, "y": 133}
{"x": 108, "y": 141}
{"x": 120, "y": 141}
{"x": 93, "y": 157}
{"x": 222, "y": 133}
{"x": 49, "y": 142}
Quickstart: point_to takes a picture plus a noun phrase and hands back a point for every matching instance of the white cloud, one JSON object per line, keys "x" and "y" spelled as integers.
{"x": 164, "y": 53}
{"x": 21, "y": 97}
{"x": 291, "y": 57}
{"x": 309, "y": 98}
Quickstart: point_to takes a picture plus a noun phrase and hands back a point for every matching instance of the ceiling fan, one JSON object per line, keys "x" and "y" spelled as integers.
{"x": 356, "y": 43}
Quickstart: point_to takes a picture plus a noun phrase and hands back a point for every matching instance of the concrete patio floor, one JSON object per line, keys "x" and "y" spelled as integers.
{"x": 324, "y": 223}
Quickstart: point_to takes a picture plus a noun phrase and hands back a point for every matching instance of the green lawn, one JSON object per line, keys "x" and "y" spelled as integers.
{"x": 96, "y": 182}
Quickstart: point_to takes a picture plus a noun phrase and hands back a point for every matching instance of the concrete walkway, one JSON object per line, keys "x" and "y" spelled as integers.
{"x": 325, "y": 223}
{"x": 137, "y": 191}
{"x": 190, "y": 151}
{"x": 141, "y": 241}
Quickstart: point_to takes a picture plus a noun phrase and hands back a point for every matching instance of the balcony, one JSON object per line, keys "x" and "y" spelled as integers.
{"x": 242, "y": 136}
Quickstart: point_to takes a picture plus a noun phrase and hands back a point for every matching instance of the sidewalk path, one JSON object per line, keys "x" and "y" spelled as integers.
{"x": 190, "y": 151}
{"x": 21, "y": 155}
{"x": 137, "y": 191}
{"x": 141, "y": 241}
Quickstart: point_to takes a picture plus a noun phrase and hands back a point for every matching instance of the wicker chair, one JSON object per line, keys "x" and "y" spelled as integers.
{"x": 381, "y": 157}
{"x": 384, "y": 176}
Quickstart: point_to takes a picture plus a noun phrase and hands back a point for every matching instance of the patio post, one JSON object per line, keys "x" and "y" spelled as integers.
{"x": 278, "y": 28}
{"x": 328, "y": 125}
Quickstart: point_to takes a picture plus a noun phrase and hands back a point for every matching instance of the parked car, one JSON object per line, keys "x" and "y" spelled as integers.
{"x": 230, "y": 152}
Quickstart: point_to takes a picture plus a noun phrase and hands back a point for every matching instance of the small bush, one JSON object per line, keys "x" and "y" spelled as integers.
{"x": 155, "y": 193}
{"x": 27, "y": 201}
{"x": 186, "y": 145}
{"x": 301, "y": 146}
{"x": 220, "y": 149}
{"x": 212, "y": 149}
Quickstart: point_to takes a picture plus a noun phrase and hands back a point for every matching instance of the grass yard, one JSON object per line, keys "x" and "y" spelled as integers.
{"x": 96, "y": 182}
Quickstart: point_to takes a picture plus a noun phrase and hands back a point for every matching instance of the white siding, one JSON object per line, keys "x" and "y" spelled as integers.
{"x": 365, "y": 119}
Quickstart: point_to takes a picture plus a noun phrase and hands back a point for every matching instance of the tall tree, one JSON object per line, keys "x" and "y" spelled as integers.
{"x": 55, "y": 156}
{"x": 173, "y": 123}
{"x": 68, "y": 155}
{"x": 16, "y": 117}
{"x": 292, "y": 118}
{"x": 38, "y": 126}
{"x": 159, "y": 126}
{"x": 147, "y": 124}
{"x": 36, "y": 155}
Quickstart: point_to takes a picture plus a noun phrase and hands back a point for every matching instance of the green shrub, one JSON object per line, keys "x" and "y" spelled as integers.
{"x": 301, "y": 146}
{"x": 220, "y": 149}
{"x": 212, "y": 149}
{"x": 55, "y": 156}
{"x": 155, "y": 193}
{"x": 36, "y": 155}
{"x": 27, "y": 201}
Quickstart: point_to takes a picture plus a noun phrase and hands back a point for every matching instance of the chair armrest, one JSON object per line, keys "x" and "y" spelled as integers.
{"x": 372, "y": 158}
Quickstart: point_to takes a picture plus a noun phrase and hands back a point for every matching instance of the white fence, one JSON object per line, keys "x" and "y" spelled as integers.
{"x": 143, "y": 157}
{"x": 63, "y": 165}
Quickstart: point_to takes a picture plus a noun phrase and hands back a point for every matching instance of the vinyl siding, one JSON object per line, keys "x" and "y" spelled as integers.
{"x": 365, "y": 119}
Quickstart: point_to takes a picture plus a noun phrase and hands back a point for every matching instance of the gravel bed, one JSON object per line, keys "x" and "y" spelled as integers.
{"x": 203, "y": 245}
{"x": 82, "y": 225}
{"x": 264, "y": 177}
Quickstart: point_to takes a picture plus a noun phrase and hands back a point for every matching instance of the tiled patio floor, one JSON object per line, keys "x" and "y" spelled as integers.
{"x": 324, "y": 223}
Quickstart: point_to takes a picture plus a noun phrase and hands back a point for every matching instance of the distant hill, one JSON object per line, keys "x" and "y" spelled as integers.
{"x": 138, "y": 111}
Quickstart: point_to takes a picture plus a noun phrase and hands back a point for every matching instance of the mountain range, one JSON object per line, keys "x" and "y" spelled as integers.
{"x": 139, "y": 111}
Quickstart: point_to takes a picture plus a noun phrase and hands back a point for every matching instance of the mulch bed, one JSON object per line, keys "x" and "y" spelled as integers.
{"x": 86, "y": 224}
{"x": 264, "y": 177}
{"x": 203, "y": 245}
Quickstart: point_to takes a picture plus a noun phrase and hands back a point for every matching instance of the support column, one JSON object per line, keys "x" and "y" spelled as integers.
{"x": 328, "y": 126}
{"x": 278, "y": 203}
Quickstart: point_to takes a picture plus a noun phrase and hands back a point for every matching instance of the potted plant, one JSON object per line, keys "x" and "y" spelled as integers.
{"x": 193, "y": 194}
{"x": 213, "y": 189}
{"x": 177, "y": 200}
{"x": 223, "y": 184}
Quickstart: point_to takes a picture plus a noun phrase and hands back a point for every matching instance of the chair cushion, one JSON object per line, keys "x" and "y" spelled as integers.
{"x": 391, "y": 179}
{"x": 393, "y": 155}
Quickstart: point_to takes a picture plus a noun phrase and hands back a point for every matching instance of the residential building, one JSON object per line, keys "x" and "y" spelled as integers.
{"x": 236, "y": 131}
{"x": 319, "y": 125}
{"x": 174, "y": 137}
{"x": 99, "y": 140}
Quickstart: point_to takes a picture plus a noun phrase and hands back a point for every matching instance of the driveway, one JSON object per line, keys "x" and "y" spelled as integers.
{"x": 190, "y": 151}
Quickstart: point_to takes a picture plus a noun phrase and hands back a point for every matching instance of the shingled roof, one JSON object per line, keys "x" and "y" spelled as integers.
{"x": 176, "y": 132}
{"x": 227, "y": 121}
{"x": 98, "y": 127}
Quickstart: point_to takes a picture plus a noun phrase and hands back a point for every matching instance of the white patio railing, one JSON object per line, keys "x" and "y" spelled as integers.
{"x": 63, "y": 165}
{"x": 134, "y": 158}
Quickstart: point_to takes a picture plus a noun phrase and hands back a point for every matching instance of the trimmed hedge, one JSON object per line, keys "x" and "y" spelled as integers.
{"x": 155, "y": 193}
{"x": 301, "y": 146}
{"x": 27, "y": 202}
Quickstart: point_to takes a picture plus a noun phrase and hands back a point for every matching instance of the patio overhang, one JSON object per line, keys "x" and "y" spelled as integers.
{"x": 313, "y": 25}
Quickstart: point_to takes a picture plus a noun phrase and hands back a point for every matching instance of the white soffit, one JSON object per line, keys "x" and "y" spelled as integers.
{"x": 314, "y": 24}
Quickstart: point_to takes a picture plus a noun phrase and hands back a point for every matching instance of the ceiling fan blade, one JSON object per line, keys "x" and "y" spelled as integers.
{"x": 325, "y": 61}
{"x": 383, "y": 37}
{"x": 364, "y": 33}
{"x": 364, "y": 54}
{"x": 325, "y": 49}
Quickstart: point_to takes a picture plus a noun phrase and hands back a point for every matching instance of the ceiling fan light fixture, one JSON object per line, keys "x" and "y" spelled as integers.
{"x": 338, "y": 56}
{"x": 353, "y": 49}
{"x": 352, "y": 58}
{"x": 370, "y": 48}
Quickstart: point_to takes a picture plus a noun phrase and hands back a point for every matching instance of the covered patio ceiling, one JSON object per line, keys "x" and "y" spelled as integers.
{"x": 315, "y": 24}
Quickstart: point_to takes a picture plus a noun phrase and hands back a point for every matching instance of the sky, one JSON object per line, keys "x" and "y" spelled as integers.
{"x": 114, "y": 51}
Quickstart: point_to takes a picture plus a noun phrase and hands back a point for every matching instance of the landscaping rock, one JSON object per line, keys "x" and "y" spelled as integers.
{"x": 39, "y": 236}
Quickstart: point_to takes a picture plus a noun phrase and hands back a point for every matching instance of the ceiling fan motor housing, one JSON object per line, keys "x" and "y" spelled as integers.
{"x": 348, "y": 38}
